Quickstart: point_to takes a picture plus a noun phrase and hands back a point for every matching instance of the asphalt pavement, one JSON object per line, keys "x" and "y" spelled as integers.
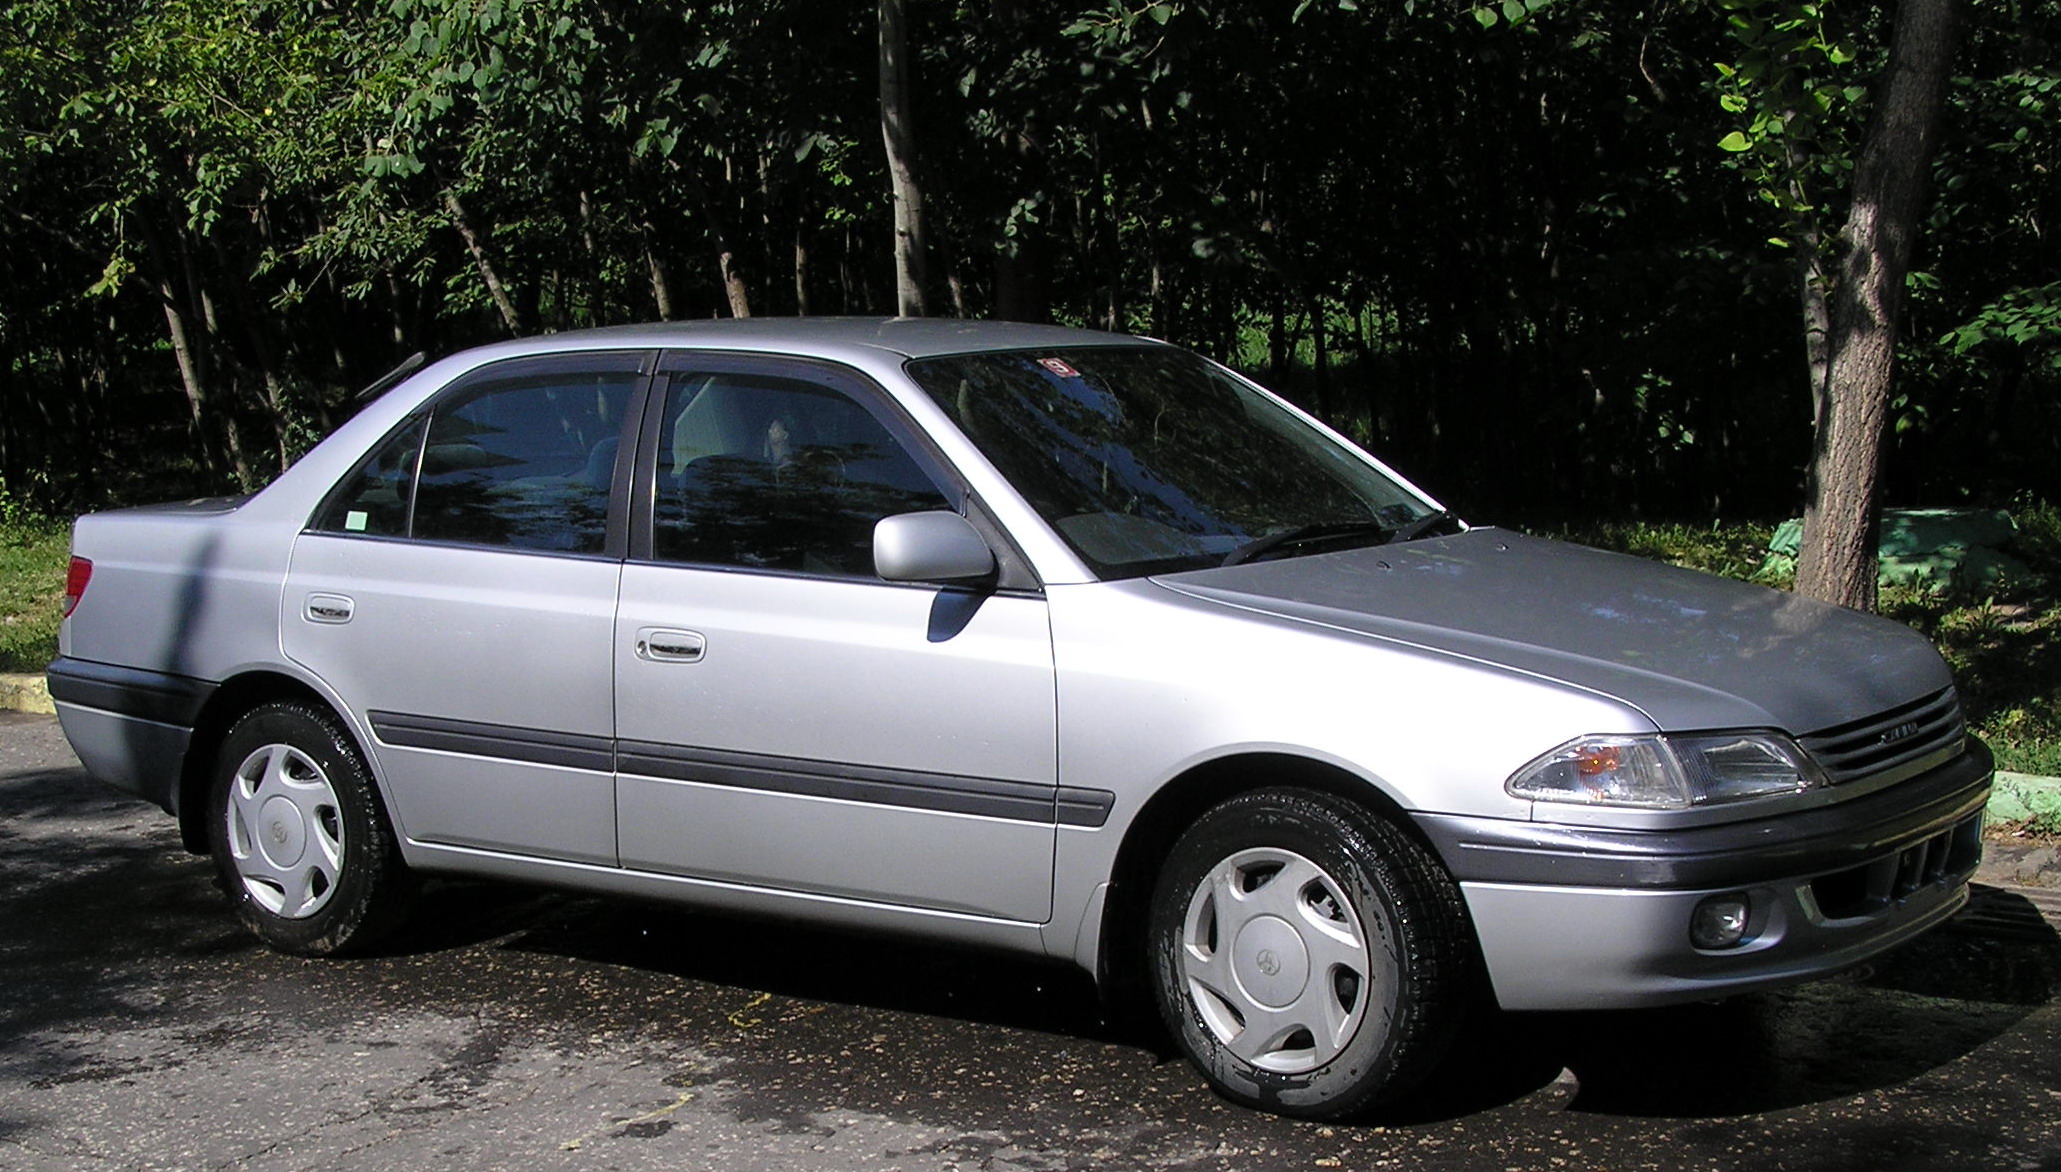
{"x": 140, "y": 1028}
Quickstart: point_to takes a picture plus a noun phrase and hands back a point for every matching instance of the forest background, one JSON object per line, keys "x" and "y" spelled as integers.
{"x": 1544, "y": 256}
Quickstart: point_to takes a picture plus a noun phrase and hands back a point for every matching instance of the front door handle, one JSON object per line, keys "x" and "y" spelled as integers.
{"x": 667, "y": 645}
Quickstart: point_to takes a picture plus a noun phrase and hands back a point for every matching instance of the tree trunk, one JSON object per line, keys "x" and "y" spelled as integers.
{"x": 898, "y": 131}
{"x": 397, "y": 301}
{"x": 801, "y": 265}
{"x": 189, "y": 362}
{"x": 735, "y": 292}
{"x": 487, "y": 273}
{"x": 1838, "y": 559}
{"x": 1320, "y": 387}
{"x": 661, "y": 288}
{"x": 189, "y": 347}
{"x": 1277, "y": 341}
{"x": 1157, "y": 293}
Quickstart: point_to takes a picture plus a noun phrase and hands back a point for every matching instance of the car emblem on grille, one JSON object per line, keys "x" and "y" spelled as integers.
{"x": 1907, "y": 728}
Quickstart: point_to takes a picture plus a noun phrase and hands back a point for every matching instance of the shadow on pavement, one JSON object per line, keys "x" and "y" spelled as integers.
{"x": 790, "y": 960}
{"x": 1911, "y": 1011}
{"x": 1916, "y": 1009}
{"x": 108, "y": 919}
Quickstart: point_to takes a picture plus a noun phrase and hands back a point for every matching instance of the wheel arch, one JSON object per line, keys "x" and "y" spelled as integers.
{"x": 1120, "y": 966}
{"x": 236, "y": 696}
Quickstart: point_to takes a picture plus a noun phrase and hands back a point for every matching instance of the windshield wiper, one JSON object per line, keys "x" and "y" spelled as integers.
{"x": 1419, "y": 527}
{"x": 1329, "y": 531}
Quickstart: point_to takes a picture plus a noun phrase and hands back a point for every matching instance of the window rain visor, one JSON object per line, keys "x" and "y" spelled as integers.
{"x": 1149, "y": 459}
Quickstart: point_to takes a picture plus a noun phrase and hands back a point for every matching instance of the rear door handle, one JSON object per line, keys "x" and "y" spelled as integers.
{"x": 330, "y": 608}
{"x": 667, "y": 645}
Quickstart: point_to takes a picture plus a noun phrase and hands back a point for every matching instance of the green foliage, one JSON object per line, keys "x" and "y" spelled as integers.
{"x": 2029, "y": 318}
{"x": 1793, "y": 88}
{"x": 1489, "y": 237}
{"x": 2006, "y": 649}
{"x": 1734, "y": 549}
{"x": 1981, "y": 365}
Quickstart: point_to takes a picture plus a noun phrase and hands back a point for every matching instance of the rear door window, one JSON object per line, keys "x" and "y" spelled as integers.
{"x": 523, "y": 461}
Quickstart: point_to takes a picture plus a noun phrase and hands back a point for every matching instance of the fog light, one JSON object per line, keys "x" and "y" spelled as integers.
{"x": 1720, "y": 921}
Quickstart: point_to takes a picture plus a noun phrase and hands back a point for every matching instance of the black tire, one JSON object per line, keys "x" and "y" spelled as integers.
{"x": 302, "y": 846}
{"x": 1348, "y": 962}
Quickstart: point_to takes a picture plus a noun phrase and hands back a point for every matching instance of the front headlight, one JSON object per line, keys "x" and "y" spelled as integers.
{"x": 1658, "y": 772}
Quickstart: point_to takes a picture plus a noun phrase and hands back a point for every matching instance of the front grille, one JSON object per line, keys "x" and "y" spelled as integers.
{"x": 1882, "y": 742}
{"x": 1946, "y": 857}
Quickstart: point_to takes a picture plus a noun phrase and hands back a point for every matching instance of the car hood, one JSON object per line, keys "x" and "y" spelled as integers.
{"x": 1689, "y": 650}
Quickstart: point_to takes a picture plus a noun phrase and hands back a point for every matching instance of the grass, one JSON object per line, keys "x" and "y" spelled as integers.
{"x": 33, "y": 556}
{"x": 1733, "y": 549}
{"x": 2006, "y": 650}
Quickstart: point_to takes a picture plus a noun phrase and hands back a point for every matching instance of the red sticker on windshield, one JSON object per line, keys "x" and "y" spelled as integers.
{"x": 1059, "y": 368}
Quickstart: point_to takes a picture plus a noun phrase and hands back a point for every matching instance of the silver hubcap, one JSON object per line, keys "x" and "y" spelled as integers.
{"x": 285, "y": 833}
{"x": 1275, "y": 960}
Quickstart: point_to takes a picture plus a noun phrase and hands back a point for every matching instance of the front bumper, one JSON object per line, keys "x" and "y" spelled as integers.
{"x": 1588, "y": 918}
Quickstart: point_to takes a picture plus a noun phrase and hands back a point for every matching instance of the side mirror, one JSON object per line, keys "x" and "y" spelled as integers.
{"x": 930, "y": 547}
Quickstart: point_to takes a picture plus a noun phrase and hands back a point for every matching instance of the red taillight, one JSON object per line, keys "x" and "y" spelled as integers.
{"x": 75, "y": 580}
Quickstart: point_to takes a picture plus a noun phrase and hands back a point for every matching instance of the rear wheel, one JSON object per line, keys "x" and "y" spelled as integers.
{"x": 1308, "y": 956}
{"x": 298, "y": 837}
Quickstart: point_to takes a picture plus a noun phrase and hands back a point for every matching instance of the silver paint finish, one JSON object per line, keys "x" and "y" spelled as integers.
{"x": 495, "y": 636}
{"x": 1137, "y": 710}
{"x": 1611, "y": 948}
{"x": 1690, "y": 650}
{"x": 1153, "y": 682}
{"x": 133, "y": 755}
{"x": 191, "y": 592}
{"x": 746, "y": 899}
{"x": 844, "y": 670}
{"x": 930, "y": 547}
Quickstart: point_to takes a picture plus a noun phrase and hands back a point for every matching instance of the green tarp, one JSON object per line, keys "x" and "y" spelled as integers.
{"x": 1938, "y": 551}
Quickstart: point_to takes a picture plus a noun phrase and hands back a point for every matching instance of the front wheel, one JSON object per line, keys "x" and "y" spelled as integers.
{"x": 1308, "y": 956}
{"x": 298, "y": 837}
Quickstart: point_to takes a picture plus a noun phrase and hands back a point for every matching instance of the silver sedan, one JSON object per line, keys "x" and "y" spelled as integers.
{"x": 1038, "y": 639}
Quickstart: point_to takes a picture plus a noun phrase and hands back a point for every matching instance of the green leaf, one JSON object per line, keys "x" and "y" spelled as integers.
{"x": 1486, "y": 16}
{"x": 1735, "y": 142}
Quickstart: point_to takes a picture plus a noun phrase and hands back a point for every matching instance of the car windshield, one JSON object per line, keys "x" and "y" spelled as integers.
{"x": 1149, "y": 459}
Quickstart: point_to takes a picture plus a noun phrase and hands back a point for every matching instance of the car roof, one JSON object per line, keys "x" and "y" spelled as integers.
{"x": 836, "y": 338}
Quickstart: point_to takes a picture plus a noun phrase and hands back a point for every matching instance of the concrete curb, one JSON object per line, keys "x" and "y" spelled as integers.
{"x": 2019, "y": 797}
{"x": 22, "y": 692}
